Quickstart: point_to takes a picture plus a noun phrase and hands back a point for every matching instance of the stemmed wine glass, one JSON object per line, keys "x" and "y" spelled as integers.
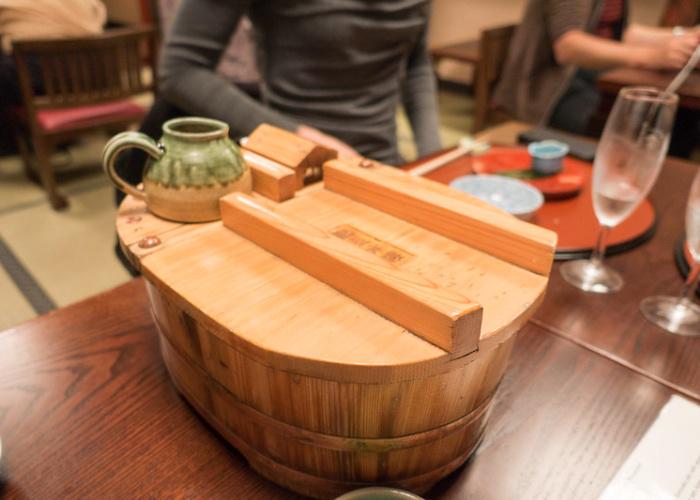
{"x": 679, "y": 314}
{"x": 627, "y": 162}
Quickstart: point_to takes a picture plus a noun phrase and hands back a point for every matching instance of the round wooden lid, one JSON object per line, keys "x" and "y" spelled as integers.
{"x": 273, "y": 309}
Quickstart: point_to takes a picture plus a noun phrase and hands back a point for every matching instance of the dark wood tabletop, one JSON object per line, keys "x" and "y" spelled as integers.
{"x": 610, "y": 82}
{"x": 87, "y": 411}
{"x": 612, "y": 324}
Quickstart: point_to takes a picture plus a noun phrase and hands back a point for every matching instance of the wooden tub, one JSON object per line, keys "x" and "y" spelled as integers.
{"x": 351, "y": 335}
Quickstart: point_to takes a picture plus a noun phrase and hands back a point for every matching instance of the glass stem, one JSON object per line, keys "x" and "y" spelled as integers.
{"x": 691, "y": 283}
{"x": 599, "y": 250}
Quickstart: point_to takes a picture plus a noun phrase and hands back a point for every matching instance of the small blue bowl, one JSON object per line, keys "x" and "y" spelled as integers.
{"x": 511, "y": 195}
{"x": 547, "y": 156}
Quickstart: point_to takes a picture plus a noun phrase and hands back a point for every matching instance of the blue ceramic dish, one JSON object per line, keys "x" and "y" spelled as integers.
{"x": 511, "y": 195}
{"x": 547, "y": 156}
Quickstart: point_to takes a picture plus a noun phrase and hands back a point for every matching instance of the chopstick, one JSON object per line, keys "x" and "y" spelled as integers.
{"x": 465, "y": 148}
{"x": 655, "y": 108}
{"x": 439, "y": 161}
{"x": 685, "y": 72}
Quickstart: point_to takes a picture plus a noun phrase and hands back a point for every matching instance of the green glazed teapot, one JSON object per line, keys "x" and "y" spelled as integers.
{"x": 191, "y": 167}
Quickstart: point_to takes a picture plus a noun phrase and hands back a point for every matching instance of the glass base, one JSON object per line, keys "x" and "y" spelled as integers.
{"x": 591, "y": 276}
{"x": 673, "y": 314}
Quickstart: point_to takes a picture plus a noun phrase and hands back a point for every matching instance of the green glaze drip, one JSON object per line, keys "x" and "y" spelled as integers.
{"x": 196, "y": 163}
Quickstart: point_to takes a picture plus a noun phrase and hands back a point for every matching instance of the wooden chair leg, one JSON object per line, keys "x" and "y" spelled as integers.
{"x": 475, "y": 77}
{"x": 480, "y": 120}
{"x": 26, "y": 155}
{"x": 46, "y": 174}
{"x": 481, "y": 101}
{"x": 480, "y": 116}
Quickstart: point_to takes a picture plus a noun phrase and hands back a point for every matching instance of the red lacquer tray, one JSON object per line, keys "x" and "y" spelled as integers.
{"x": 571, "y": 217}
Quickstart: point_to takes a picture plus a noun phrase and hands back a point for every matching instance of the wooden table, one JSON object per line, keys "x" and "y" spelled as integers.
{"x": 612, "y": 324}
{"x": 612, "y": 81}
{"x": 87, "y": 409}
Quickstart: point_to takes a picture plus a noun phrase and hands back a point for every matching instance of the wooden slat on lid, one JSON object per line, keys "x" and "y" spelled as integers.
{"x": 502, "y": 289}
{"x": 289, "y": 149}
{"x": 417, "y": 201}
{"x": 276, "y": 313}
{"x": 271, "y": 179}
{"x": 443, "y": 317}
{"x": 280, "y": 313}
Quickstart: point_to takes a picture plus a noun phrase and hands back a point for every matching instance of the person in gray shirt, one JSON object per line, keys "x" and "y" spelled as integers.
{"x": 333, "y": 71}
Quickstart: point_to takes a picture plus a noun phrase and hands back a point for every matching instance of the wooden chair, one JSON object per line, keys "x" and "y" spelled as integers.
{"x": 681, "y": 13}
{"x": 487, "y": 55}
{"x": 87, "y": 84}
{"x": 463, "y": 52}
{"x": 493, "y": 51}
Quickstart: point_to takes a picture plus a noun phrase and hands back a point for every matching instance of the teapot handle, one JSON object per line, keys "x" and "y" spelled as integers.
{"x": 119, "y": 143}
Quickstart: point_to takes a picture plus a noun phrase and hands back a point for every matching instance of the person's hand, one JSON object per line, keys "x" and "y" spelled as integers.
{"x": 315, "y": 135}
{"x": 674, "y": 52}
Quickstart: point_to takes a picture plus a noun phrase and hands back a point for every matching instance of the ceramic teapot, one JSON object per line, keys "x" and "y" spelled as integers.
{"x": 190, "y": 168}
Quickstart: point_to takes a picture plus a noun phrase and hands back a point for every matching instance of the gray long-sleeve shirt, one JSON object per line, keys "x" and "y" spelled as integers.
{"x": 338, "y": 65}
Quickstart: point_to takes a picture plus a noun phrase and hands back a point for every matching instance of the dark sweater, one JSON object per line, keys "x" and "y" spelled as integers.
{"x": 338, "y": 65}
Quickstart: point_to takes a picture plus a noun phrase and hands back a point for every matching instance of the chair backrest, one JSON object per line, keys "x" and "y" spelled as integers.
{"x": 88, "y": 70}
{"x": 681, "y": 13}
{"x": 493, "y": 47}
{"x": 493, "y": 51}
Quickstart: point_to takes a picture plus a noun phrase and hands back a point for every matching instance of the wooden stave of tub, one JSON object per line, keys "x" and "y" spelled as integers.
{"x": 356, "y": 444}
{"x": 324, "y": 425}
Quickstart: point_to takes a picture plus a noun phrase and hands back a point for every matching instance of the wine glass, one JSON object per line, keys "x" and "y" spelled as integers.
{"x": 679, "y": 314}
{"x": 627, "y": 162}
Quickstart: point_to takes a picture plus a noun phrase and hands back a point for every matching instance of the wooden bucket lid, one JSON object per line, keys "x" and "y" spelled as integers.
{"x": 372, "y": 273}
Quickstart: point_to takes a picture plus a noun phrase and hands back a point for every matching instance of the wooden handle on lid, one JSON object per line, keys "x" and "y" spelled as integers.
{"x": 288, "y": 149}
{"x": 444, "y": 211}
{"x": 271, "y": 179}
{"x": 440, "y": 316}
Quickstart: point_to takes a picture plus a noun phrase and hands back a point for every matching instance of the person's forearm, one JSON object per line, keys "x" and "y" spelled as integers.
{"x": 188, "y": 77}
{"x": 592, "y": 52}
{"x": 419, "y": 97}
{"x": 637, "y": 34}
{"x": 420, "y": 102}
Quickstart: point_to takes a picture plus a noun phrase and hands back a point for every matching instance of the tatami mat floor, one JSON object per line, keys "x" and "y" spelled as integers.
{"x": 50, "y": 259}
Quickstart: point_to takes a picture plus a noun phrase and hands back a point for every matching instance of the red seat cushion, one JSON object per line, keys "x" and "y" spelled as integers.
{"x": 52, "y": 120}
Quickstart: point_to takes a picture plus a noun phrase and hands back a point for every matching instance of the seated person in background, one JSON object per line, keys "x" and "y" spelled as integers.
{"x": 557, "y": 52}
{"x": 332, "y": 71}
{"x": 39, "y": 19}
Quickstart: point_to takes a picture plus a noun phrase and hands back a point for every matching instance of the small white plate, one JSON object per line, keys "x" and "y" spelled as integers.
{"x": 511, "y": 195}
